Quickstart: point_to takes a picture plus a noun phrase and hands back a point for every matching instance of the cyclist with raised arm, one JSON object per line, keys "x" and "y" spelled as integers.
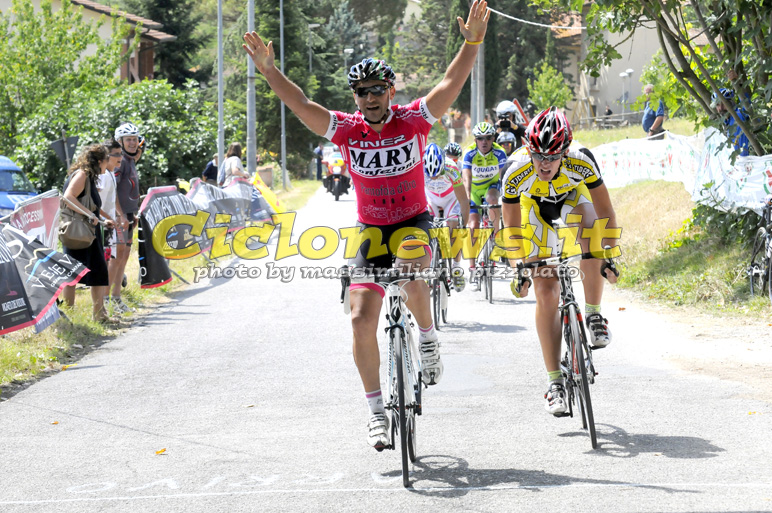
{"x": 547, "y": 181}
{"x": 480, "y": 171}
{"x": 382, "y": 145}
{"x": 445, "y": 193}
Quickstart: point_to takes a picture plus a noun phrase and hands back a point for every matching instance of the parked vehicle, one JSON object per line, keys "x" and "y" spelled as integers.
{"x": 337, "y": 181}
{"x": 15, "y": 187}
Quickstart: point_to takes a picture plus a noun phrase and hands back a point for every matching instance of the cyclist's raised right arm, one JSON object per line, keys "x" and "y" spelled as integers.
{"x": 313, "y": 115}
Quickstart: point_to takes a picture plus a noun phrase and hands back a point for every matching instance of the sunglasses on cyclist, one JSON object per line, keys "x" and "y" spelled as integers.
{"x": 376, "y": 90}
{"x": 484, "y": 138}
{"x": 544, "y": 156}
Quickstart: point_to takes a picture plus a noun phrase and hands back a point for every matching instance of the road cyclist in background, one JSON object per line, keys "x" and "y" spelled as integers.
{"x": 480, "y": 172}
{"x": 507, "y": 141}
{"x": 447, "y": 198}
{"x": 547, "y": 181}
{"x": 453, "y": 151}
{"x": 383, "y": 146}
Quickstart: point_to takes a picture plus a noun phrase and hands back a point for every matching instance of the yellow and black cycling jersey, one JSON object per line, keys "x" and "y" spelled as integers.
{"x": 577, "y": 167}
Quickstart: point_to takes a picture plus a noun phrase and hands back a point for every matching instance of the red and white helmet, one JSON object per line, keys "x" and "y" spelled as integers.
{"x": 548, "y": 132}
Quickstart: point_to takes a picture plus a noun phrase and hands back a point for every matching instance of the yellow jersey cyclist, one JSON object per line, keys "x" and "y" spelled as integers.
{"x": 480, "y": 170}
{"x": 546, "y": 181}
{"x": 445, "y": 193}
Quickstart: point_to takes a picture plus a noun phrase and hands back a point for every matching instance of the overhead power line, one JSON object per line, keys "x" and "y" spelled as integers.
{"x": 562, "y": 27}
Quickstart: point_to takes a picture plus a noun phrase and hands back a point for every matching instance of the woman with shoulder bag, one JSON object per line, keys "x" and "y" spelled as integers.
{"x": 81, "y": 195}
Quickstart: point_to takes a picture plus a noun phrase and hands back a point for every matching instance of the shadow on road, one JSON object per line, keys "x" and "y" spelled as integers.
{"x": 450, "y": 477}
{"x": 617, "y": 443}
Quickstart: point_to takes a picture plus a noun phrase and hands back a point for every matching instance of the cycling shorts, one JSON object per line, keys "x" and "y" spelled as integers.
{"x": 411, "y": 234}
{"x": 541, "y": 213}
{"x": 480, "y": 191}
{"x": 448, "y": 204}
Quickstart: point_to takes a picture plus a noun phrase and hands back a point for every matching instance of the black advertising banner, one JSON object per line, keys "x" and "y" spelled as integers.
{"x": 237, "y": 201}
{"x": 30, "y": 285}
{"x": 153, "y": 269}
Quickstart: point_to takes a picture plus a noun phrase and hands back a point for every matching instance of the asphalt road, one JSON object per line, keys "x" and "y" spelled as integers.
{"x": 242, "y": 395}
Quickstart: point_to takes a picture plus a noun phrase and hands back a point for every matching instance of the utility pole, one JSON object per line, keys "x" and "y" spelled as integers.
{"x": 284, "y": 177}
{"x": 251, "y": 142}
{"x": 220, "y": 86}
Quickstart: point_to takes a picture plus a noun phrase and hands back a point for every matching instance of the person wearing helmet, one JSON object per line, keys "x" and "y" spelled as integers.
{"x": 505, "y": 122}
{"x": 545, "y": 182}
{"x": 446, "y": 196}
{"x": 480, "y": 170}
{"x": 652, "y": 119}
{"x": 733, "y": 131}
{"x": 383, "y": 145}
{"x": 453, "y": 151}
{"x": 127, "y": 193}
{"x": 506, "y": 140}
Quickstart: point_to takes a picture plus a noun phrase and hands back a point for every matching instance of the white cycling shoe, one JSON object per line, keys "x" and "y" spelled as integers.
{"x": 378, "y": 431}
{"x": 556, "y": 402}
{"x": 431, "y": 364}
{"x": 600, "y": 336}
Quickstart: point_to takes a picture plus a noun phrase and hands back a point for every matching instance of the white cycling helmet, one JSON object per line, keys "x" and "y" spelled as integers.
{"x": 505, "y": 107}
{"x": 506, "y": 137}
{"x": 126, "y": 129}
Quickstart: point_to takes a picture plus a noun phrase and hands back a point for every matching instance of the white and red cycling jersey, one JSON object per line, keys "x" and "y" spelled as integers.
{"x": 386, "y": 169}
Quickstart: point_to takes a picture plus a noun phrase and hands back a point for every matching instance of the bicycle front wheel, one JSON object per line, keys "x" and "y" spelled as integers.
{"x": 489, "y": 275}
{"x": 399, "y": 362}
{"x": 582, "y": 383}
{"x": 757, "y": 271}
{"x": 435, "y": 287}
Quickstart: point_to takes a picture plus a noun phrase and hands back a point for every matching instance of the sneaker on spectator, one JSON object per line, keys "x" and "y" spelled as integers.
{"x": 600, "y": 336}
{"x": 120, "y": 306}
{"x": 555, "y": 397}
{"x": 431, "y": 364}
{"x": 378, "y": 431}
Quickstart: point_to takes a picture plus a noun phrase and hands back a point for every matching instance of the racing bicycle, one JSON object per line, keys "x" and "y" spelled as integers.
{"x": 404, "y": 382}
{"x": 760, "y": 269}
{"x": 486, "y": 266}
{"x": 577, "y": 365}
{"x": 440, "y": 285}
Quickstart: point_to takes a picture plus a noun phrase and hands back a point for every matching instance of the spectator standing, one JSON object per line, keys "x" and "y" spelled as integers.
{"x": 106, "y": 186}
{"x": 84, "y": 173}
{"x": 733, "y": 131}
{"x": 232, "y": 166}
{"x": 319, "y": 152}
{"x": 653, "y": 119}
{"x": 127, "y": 193}
{"x": 210, "y": 172}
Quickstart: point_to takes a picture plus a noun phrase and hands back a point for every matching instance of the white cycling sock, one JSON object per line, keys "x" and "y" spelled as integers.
{"x": 375, "y": 401}
{"x": 427, "y": 333}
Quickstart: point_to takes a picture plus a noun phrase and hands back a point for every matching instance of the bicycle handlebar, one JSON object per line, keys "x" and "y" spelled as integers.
{"x": 608, "y": 263}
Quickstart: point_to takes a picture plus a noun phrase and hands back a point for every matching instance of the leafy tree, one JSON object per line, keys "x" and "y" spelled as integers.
{"x": 383, "y": 15}
{"x": 180, "y": 127}
{"x": 43, "y": 57}
{"x": 739, "y": 36}
{"x": 174, "y": 59}
{"x": 549, "y": 88}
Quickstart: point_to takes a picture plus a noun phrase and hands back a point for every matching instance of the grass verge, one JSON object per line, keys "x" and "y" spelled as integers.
{"x": 26, "y": 356}
{"x": 669, "y": 260}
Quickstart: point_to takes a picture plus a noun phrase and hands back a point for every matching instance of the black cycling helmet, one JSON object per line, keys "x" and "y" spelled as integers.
{"x": 371, "y": 69}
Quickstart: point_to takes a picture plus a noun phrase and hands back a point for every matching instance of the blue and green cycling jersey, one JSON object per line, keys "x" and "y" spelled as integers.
{"x": 485, "y": 168}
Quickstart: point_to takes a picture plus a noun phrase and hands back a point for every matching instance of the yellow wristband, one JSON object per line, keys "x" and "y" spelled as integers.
{"x": 473, "y": 42}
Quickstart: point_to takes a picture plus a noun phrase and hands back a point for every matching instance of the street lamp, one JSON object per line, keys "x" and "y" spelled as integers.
{"x": 310, "y": 49}
{"x": 346, "y": 53}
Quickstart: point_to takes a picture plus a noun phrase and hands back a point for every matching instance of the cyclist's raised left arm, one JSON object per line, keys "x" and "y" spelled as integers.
{"x": 445, "y": 93}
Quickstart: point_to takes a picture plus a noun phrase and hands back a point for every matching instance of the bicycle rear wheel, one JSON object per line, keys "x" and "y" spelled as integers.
{"x": 582, "y": 383}
{"x": 402, "y": 409}
{"x": 757, "y": 273}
